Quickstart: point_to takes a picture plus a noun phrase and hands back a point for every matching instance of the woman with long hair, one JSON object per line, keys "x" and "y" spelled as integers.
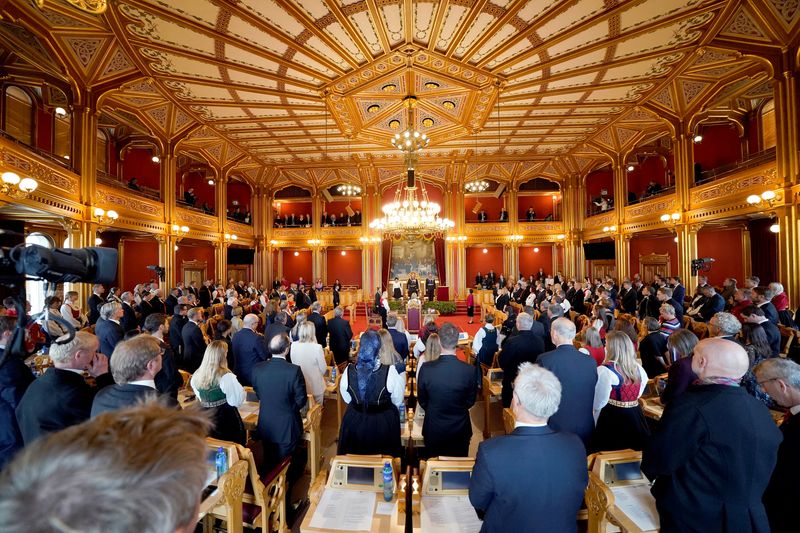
{"x": 307, "y": 354}
{"x": 217, "y": 388}
{"x": 371, "y": 424}
{"x": 388, "y": 355}
{"x": 432, "y": 352}
{"x": 71, "y": 310}
{"x": 758, "y": 349}
{"x": 223, "y": 331}
{"x": 593, "y": 345}
{"x": 680, "y": 347}
{"x": 620, "y": 382}
{"x": 299, "y": 320}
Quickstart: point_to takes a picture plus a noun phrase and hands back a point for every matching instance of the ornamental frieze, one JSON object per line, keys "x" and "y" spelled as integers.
{"x": 39, "y": 172}
{"x": 732, "y": 186}
{"x": 239, "y": 229}
{"x": 292, "y": 233}
{"x": 352, "y": 231}
{"x": 108, "y": 198}
{"x": 599, "y": 220}
{"x": 195, "y": 219}
{"x": 655, "y": 206}
{"x": 540, "y": 226}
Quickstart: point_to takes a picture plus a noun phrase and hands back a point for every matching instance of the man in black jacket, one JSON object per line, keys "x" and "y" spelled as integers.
{"x": 628, "y": 297}
{"x": 664, "y": 295}
{"x": 755, "y": 315}
{"x": 134, "y": 367}
{"x": 194, "y": 343}
{"x": 128, "y": 320}
{"x": 653, "y": 349}
{"x": 762, "y": 298}
{"x": 168, "y": 380}
{"x": 320, "y": 324}
{"x": 525, "y": 346}
{"x": 446, "y": 390}
{"x": 176, "y": 324}
{"x": 172, "y": 299}
{"x": 780, "y": 378}
{"x": 60, "y": 397}
{"x": 248, "y": 349}
{"x": 15, "y": 377}
{"x": 341, "y": 334}
{"x": 108, "y": 328}
{"x": 276, "y": 328}
{"x": 96, "y": 301}
{"x": 399, "y": 339}
{"x": 204, "y": 294}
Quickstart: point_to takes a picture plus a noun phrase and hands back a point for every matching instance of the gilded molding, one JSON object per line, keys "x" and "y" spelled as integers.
{"x": 196, "y": 219}
{"x": 40, "y": 172}
{"x": 655, "y": 206}
{"x": 351, "y": 231}
{"x": 599, "y": 220}
{"x": 536, "y": 227}
{"x": 239, "y": 229}
{"x": 734, "y": 185}
{"x": 107, "y": 196}
{"x": 291, "y": 233}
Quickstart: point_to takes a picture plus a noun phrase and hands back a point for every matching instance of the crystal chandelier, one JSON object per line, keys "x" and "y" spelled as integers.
{"x": 410, "y": 141}
{"x": 349, "y": 190}
{"x": 477, "y": 186}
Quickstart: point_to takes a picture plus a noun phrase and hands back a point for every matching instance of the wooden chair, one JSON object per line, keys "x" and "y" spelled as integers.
{"x": 263, "y": 501}
{"x": 508, "y": 420}
{"x": 314, "y": 438}
{"x": 413, "y": 318}
{"x": 232, "y": 485}
{"x": 787, "y": 337}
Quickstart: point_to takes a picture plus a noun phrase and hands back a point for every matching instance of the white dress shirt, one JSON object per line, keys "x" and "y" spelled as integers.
{"x": 230, "y": 386}
{"x": 309, "y": 357}
{"x": 477, "y": 341}
{"x": 144, "y": 382}
{"x": 607, "y": 379}
{"x": 395, "y": 384}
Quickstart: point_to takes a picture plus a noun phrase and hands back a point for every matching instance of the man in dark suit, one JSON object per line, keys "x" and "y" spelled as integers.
{"x": 716, "y": 447}
{"x": 172, "y": 300}
{"x": 134, "y": 367}
{"x": 628, "y": 297}
{"x": 652, "y": 349}
{"x": 248, "y": 349}
{"x": 194, "y": 343}
{"x": 108, "y": 328}
{"x": 412, "y": 286}
{"x": 513, "y": 487}
{"x": 168, "y": 380}
{"x": 176, "y": 324}
{"x": 755, "y": 315}
{"x": 430, "y": 288}
{"x": 128, "y": 320}
{"x": 60, "y": 397}
{"x": 490, "y": 277}
{"x": 780, "y": 378}
{"x": 446, "y": 389}
{"x": 664, "y": 295}
{"x": 577, "y": 373}
{"x": 678, "y": 290}
{"x": 399, "y": 339}
{"x": 227, "y": 309}
{"x": 320, "y": 324}
{"x": 96, "y": 301}
{"x": 15, "y": 377}
{"x": 191, "y": 288}
{"x": 204, "y": 294}
{"x": 762, "y": 298}
{"x": 714, "y": 303}
{"x": 274, "y": 329}
{"x": 341, "y": 334}
{"x": 649, "y": 304}
{"x": 525, "y": 346}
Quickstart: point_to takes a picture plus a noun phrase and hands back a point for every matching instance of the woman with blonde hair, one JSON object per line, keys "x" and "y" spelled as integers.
{"x": 307, "y": 354}
{"x": 388, "y": 355}
{"x": 433, "y": 349}
{"x": 620, "y": 382}
{"x": 217, "y": 388}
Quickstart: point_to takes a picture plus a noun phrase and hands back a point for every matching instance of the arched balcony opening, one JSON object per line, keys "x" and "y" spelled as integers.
{"x": 139, "y": 165}
{"x": 650, "y": 171}
{"x": 292, "y": 207}
{"x": 239, "y": 197}
{"x": 485, "y": 200}
{"x": 600, "y": 191}
{"x": 196, "y": 183}
{"x": 539, "y": 199}
{"x": 341, "y": 205}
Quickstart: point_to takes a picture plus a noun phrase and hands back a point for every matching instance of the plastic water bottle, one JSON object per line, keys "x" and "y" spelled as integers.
{"x": 388, "y": 481}
{"x": 402, "y": 410}
{"x": 221, "y": 461}
{"x": 333, "y": 374}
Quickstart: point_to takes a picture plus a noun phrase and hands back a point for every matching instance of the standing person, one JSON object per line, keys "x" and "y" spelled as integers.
{"x": 217, "y": 389}
{"x": 60, "y": 397}
{"x": 108, "y": 328}
{"x": 578, "y": 376}
{"x": 384, "y": 308}
{"x": 470, "y": 305}
{"x": 680, "y": 347}
{"x": 780, "y": 378}
{"x": 128, "y": 320}
{"x": 341, "y": 334}
{"x": 320, "y": 325}
{"x": 204, "y": 294}
{"x": 373, "y": 392}
{"x": 513, "y": 489}
{"x": 397, "y": 288}
{"x": 653, "y": 349}
{"x": 176, "y": 324}
{"x": 486, "y": 342}
{"x": 447, "y": 390}
{"x": 593, "y": 344}
{"x": 412, "y": 285}
{"x": 96, "y": 301}
{"x": 523, "y": 347}
{"x": 15, "y": 377}
{"x": 620, "y": 383}
{"x": 308, "y": 355}
{"x": 71, "y": 311}
{"x": 248, "y": 349}
{"x": 194, "y": 343}
{"x": 168, "y": 380}
{"x": 430, "y": 287}
{"x": 399, "y": 339}
{"x": 716, "y": 448}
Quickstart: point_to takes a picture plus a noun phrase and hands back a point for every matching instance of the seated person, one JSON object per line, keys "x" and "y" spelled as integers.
{"x": 102, "y": 475}
{"x": 513, "y": 489}
{"x": 133, "y": 184}
{"x": 530, "y": 216}
{"x": 190, "y": 198}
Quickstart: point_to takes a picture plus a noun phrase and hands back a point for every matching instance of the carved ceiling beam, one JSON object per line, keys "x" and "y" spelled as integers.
{"x": 509, "y": 15}
{"x": 354, "y": 35}
{"x": 35, "y": 75}
{"x": 379, "y": 29}
{"x": 569, "y": 90}
{"x": 436, "y": 25}
{"x": 472, "y": 14}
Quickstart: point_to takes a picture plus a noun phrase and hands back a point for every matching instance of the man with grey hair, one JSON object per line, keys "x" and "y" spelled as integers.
{"x": 716, "y": 448}
{"x": 248, "y": 349}
{"x": 128, "y": 320}
{"x": 780, "y": 378}
{"x": 725, "y": 326}
{"x": 134, "y": 367}
{"x": 141, "y": 469}
{"x": 60, "y": 397}
{"x": 194, "y": 343}
{"x": 513, "y": 489}
{"x": 320, "y": 324}
{"x": 577, "y": 373}
{"x": 523, "y": 347}
{"x": 341, "y": 334}
{"x": 108, "y": 329}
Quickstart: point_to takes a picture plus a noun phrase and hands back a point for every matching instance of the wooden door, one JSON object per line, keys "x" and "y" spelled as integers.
{"x": 238, "y": 273}
{"x": 603, "y": 268}
{"x": 193, "y": 271}
{"x": 652, "y": 264}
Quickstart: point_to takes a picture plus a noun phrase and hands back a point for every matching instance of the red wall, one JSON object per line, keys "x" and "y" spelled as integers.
{"x": 651, "y": 169}
{"x": 598, "y": 180}
{"x": 298, "y": 208}
{"x": 543, "y": 205}
{"x": 295, "y": 267}
{"x": 136, "y": 256}
{"x": 339, "y": 207}
{"x": 345, "y": 267}
{"x": 490, "y": 204}
{"x": 720, "y": 146}
{"x": 530, "y": 262}
{"x": 653, "y": 245}
{"x": 204, "y": 192}
{"x": 199, "y": 252}
{"x": 725, "y": 246}
{"x": 483, "y": 262}
{"x": 241, "y": 192}
{"x": 434, "y": 193}
{"x": 44, "y": 130}
{"x": 138, "y": 163}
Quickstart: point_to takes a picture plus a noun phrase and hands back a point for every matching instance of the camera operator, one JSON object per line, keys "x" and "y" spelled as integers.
{"x": 15, "y": 378}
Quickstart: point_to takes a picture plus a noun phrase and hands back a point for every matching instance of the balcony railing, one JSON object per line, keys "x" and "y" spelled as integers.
{"x": 112, "y": 181}
{"x": 661, "y": 192}
{"x": 753, "y": 160}
{"x": 60, "y": 161}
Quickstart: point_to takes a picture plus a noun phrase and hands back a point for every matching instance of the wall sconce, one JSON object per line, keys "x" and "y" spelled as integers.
{"x": 273, "y": 242}
{"x": 179, "y": 231}
{"x": 230, "y": 237}
{"x": 485, "y": 251}
{"x": 766, "y": 196}
{"x": 697, "y": 138}
{"x": 60, "y": 112}
{"x": 609, "y": 229}
{"x": 775, "y": 228}
{"x": 104, "y": 217}
{"x": 630, "y": 168}
{"x": 536, "y": 250}
{"x": 456, "y": 238}
{"x": 155, "y": 159}
{"x": 314, "y": 242}
{"x": 344, "y": 252}
{"x": 296, "y": 254}
{"x": 98, "y": 241}
{"x": 14, "y": 186}
{"x": 515, "y": 238}
{"x": 561, "y": 237}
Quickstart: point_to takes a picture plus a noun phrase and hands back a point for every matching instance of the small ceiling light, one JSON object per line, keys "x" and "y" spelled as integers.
{"x": 485, "y": 251}
{"x": 427, "y": 122}
{"x": 630, "y": 168}
{"x": 211, "y": 182}
{"x": 98, "y": 241}
{"x": 344, "y": 252}
{"x": 753, "y": 199}
{"x": 775, "y": 228}
{"x": 536, "y": 250}
{"x": 61, "y": 112}
{"x": 155, "y": 159}
{"x": 389, "y": 88}
{"x": 374, "y": 108}
{"x": 431, "y": 85}
{"x": 697, "y": 138}
{"x": 449, "y": 104}
{"x": 296, "y": 254}
{"x": 394, "y": 124}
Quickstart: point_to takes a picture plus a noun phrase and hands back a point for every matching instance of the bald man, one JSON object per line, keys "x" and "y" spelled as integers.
{"x": 715, "y": 451}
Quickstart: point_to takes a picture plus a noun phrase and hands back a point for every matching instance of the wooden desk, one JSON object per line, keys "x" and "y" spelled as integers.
{"x": 413, "y": 429}
{"x": 492, "y": 390}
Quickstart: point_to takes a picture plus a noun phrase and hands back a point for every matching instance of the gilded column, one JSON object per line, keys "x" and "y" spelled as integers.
{"x": 84, "y": 147}
{"x": 169, "y": 170}
{"x": 75, "y": 239}
{"x": 221, "y": 201}
{"x": 166, "y": 259}
{"x": 788, "y": 260}
{"x": 512, "y": 205}
{"x": 221, "y": 260}
{"x": 622, "y": 250}
{"x": 787, "y": 120}
{"x": 683, "y": 154}
{"x": 620, "y": 186}
{"x": 687, "y": 250}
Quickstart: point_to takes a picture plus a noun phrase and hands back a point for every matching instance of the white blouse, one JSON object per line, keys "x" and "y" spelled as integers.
{"x": 66, "y": 313}
{"x": 395, "y": 384}
{"x": 607, "y": 379}
{"x": 230, "y": 386}
{"x": 309, "y": 357}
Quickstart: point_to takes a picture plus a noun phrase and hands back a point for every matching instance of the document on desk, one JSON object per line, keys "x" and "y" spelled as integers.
{"x": 344, "y": 510}
{"x": 638, "y": 504}
{"x": 448, "y": 514}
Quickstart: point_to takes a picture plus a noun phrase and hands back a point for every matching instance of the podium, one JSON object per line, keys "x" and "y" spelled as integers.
{"x": 443, "y": 293}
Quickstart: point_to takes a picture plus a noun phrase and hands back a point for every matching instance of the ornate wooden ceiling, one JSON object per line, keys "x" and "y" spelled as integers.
{"x": 287, "y": 84}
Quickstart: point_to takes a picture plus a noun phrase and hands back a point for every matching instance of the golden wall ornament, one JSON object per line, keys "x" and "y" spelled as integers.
{"x": 94, "y": 7}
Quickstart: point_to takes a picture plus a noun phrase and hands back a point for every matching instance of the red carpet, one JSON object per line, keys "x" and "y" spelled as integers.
{"x": 360, "y": 323}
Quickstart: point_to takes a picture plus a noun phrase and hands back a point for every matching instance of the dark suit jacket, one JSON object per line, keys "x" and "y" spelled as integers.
{"x": 169, "y": 304}
{"x": 679, "y": 377}
{"x": 649, "y": 307}
{"x": 577, "y": 373}
{"x": 711, "y": 307}
{"x": 15, "y": 377}
{"x": 271, "y": 331}
{"x": 770, "y": 312}
{"x": 320, "y": 328}
{"x": 56, "y": 400}
{"x": 341, "y": 334}
{"x": 204, "y": 296}
{"x": 716, "y": 448}
{"x": 194, "y": 347}
{"x": 652, "y": 346}
{"x": 522, "y": 347}
{"x": 227, "y": 312}
{"x": 128, "y": 320}
{"x": 109, "y": 333}
{"x": 521, "y": 490}
{"x": 169, "y": 379}
{"x": 400, "y": 342}
{"x": 783, "y": 491}
{"x": 629, "y": 302}
{"x": 281, "y": 390}
{"x": 773, "y": 336}
{"x": 176, "y": 324}
{"x": 679, "y": 293}
{"x": 127, "y": 395}
{"x": 502, "y": 302}
{"x": 446, "y": 389}
{"x": 95, "y": 303}
{"x": 248, "y": 350}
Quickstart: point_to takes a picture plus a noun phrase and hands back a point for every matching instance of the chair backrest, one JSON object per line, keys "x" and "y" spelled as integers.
{"x": 232, "y": 486}
{"x": 508, "y": 420}
{"x": 413, "y": 319}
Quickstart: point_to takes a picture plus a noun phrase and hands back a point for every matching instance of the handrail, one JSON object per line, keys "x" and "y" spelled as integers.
{"x": 50, "y": 156}
{"x": 753, "y": 160}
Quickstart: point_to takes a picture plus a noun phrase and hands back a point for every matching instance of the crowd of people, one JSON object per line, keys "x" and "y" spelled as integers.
{"x": 303, "y": 220}
{"x": 576, "y": 357}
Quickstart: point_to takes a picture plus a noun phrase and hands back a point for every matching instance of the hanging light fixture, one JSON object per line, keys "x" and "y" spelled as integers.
{"x": 348, "y": 190}
{"x": 411, "y": 213}
{"x": 477, "y": 186}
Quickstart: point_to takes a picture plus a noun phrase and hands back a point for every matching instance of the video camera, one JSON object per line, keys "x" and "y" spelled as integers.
{"x": 703, "y": 264}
